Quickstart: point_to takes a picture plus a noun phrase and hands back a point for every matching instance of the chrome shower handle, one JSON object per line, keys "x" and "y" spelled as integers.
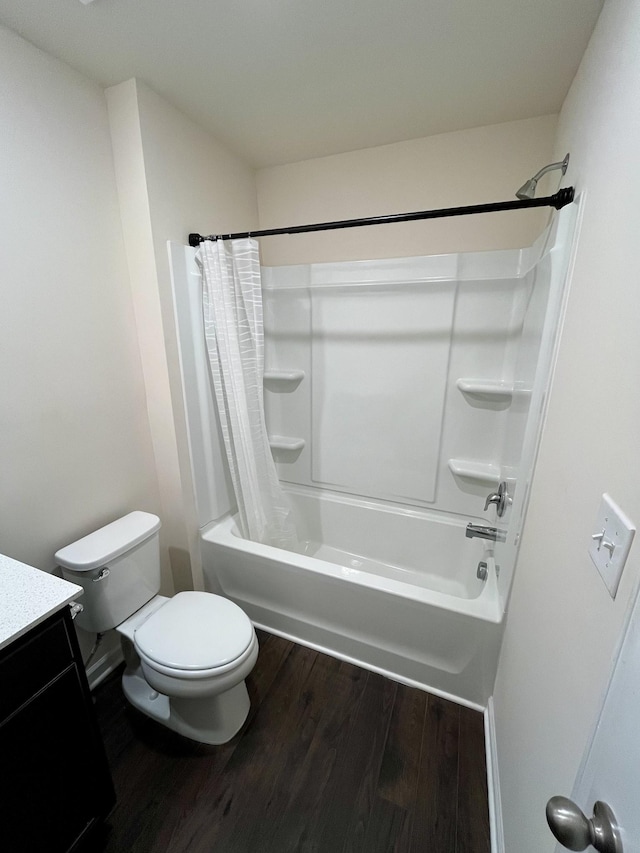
{"x": 500, "y": 498}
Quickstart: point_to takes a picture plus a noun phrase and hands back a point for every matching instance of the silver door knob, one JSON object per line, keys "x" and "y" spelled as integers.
{"x": 575, "y": 831}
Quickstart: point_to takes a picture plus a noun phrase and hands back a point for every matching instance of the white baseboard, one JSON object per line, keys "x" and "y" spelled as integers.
{"x": 493, "y": 781}
{"x": 104, "y": 666}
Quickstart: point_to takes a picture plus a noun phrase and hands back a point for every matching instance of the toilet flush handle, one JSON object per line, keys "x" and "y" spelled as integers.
{"x": 104, "y": 573}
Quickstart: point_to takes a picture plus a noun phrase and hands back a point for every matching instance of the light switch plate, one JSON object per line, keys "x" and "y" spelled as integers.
{"x": 610, "y": 542}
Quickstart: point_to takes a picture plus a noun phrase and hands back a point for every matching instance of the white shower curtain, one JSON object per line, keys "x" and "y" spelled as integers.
{"x": 232, "y": 308}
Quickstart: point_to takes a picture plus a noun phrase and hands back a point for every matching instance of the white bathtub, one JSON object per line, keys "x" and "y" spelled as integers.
{"x": 393, "y": 590}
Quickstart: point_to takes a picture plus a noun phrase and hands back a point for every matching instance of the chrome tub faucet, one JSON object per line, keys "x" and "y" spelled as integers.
{"x": 483, "y": 531}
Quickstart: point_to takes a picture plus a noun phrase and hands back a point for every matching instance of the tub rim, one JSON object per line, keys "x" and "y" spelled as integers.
{"x": 485, "y": 606}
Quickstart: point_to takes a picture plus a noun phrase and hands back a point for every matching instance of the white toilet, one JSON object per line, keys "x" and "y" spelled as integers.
{"x": 186, "y": 656}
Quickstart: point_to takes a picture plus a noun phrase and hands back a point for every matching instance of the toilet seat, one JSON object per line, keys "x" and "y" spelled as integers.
{"x": 190, "y": 675}
{"x": 195, "y": 635}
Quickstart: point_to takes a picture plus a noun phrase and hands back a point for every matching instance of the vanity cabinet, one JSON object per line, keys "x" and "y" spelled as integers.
{"x": 56, "y": 780}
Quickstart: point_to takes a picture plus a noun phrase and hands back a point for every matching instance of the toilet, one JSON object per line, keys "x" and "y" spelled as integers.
{"x": 187, "y": 656}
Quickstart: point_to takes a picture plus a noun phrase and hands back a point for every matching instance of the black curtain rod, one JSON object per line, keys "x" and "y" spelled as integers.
{"x": 560, "y": 199}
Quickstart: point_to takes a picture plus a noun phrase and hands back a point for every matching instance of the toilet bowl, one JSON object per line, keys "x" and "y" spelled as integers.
{"x": 195, "y": 649}
{"x": 187, "y": 656}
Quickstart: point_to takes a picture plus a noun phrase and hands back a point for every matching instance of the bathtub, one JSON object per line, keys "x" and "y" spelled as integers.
{"x": 391, "y": 589}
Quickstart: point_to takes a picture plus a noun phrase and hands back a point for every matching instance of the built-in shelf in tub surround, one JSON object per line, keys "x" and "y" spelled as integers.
{"x": 283, "y": 380}
{"x": 28, "y": 596}
{"x": 472, "y": 469}
{"x": 492, "y": 389}
{"x": 285, "y": 442}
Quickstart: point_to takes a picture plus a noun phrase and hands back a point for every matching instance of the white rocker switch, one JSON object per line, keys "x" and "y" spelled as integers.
{"x": 610, "y": 542}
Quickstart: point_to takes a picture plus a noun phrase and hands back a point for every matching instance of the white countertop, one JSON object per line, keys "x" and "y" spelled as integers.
{"x": 28, "y": 596}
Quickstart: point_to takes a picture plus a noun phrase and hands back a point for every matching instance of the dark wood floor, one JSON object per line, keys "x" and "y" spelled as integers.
{"x": 332, "y": 758}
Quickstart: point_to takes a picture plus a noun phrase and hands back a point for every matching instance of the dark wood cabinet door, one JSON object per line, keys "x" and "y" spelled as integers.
{"x": 57, "y": 782}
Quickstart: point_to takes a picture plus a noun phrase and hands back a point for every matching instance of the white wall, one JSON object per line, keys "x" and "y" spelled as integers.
{"x": 173, "y": 178}
{"x": 75, "y": 449}
{"x": 474, "y": 166}
{"x": 563, "y": 627}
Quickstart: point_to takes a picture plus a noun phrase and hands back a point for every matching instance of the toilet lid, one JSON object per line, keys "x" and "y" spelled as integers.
{"x": 195, "y": 630}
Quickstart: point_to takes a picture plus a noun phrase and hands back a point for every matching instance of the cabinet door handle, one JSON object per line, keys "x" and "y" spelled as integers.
{"x": 75, "y": 608}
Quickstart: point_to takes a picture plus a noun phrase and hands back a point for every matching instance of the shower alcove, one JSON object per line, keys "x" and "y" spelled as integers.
{"x": 398, "y": 394}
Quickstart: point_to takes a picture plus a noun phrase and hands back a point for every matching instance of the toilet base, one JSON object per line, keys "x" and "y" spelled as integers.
{"x": 211, "y": 719}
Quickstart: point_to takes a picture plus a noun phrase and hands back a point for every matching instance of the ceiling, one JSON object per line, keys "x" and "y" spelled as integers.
{"x": 286, "y": 80}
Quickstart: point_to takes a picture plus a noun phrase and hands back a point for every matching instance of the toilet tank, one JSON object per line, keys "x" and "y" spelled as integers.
{"x": 118, "y": 567}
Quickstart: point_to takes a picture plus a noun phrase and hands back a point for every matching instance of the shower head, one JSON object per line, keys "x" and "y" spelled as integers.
{"x": 528, "y": 189}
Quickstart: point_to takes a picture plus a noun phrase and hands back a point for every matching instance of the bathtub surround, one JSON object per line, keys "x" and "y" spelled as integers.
{"x": 398, "y": 394}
